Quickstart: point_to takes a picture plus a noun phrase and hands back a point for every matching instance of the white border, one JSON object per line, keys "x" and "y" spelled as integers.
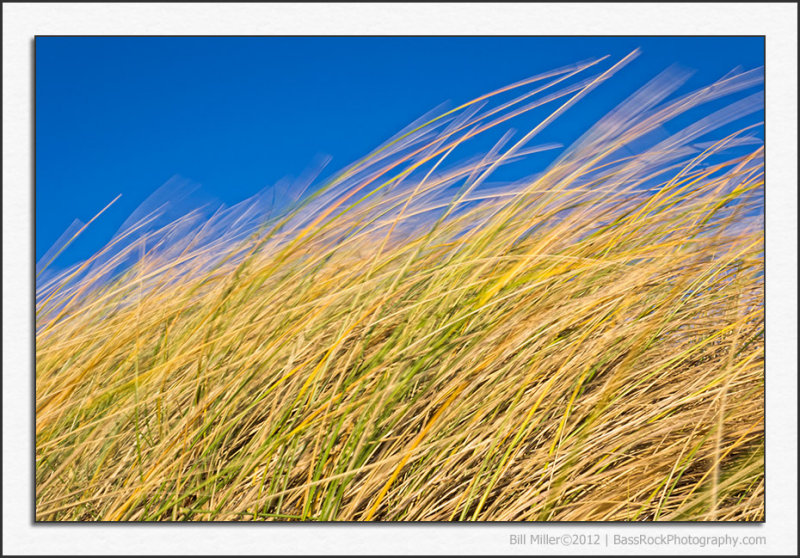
{"x": 22, "y": 21}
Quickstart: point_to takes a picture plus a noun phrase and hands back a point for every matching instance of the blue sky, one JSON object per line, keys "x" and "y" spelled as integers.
{"x": 117, "y": 115}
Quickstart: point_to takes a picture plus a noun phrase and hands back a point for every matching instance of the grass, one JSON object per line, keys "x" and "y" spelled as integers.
{"x": 411, "y": 343}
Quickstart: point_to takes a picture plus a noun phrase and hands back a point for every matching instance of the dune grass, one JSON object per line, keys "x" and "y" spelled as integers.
{"x": 413, "y": 342}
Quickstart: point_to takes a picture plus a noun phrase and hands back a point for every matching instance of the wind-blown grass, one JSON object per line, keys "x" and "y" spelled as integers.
{"x": 411, "y": 342}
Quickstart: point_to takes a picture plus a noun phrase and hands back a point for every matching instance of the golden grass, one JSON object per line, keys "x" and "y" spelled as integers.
{"x": 410, "y": 344}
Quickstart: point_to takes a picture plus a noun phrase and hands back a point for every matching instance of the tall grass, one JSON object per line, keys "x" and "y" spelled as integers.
{"x": 413, "y": 342}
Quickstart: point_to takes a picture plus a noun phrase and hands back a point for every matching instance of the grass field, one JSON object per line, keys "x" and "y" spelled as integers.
{"x": 410, "y": 341}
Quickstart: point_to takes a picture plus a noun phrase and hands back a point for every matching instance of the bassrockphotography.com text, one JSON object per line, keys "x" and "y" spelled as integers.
{"x": 611, "y": 540}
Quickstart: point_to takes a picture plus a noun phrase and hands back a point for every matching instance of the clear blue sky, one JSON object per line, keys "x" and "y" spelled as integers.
{"x": 123, "y": 115}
